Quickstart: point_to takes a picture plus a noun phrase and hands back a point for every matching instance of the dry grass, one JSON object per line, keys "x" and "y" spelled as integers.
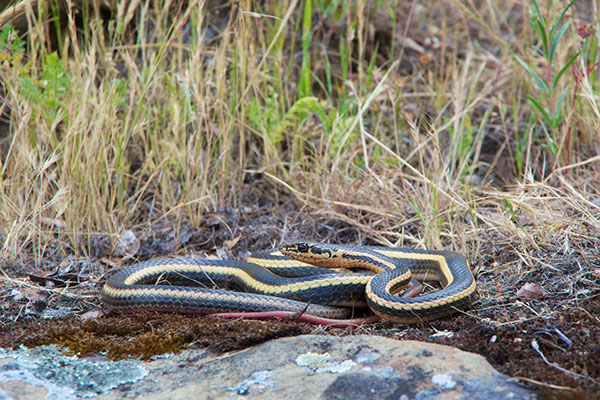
{"x": 156, "y": 102}
{"x": 157, "y": 113}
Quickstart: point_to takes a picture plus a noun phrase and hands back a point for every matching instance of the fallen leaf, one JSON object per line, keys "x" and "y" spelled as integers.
{"x": 531, "y": 291}
{"x": 58, "y": 280}
{"x": 93, "y": 314}
{"x": 129, "y": 244}
{"x": 217, "y": 218}
{"x": 213, "y": 221}
{"x": 230, "y": 244}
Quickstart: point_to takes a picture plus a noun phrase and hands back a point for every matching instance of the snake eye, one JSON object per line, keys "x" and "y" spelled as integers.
{"x": 302, "y": 247}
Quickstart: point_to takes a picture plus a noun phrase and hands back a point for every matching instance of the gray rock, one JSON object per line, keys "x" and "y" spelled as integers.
{"x": 313, "y": 366}
{"x": 46, "y": 373}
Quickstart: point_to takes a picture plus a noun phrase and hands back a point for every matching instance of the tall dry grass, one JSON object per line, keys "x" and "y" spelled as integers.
{"x": 159, "y": 112}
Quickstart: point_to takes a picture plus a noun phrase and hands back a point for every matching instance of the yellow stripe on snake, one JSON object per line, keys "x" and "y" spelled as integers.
{"x": 282, "y": 280}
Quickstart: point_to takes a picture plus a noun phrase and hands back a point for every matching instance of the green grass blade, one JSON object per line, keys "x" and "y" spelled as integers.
{"x": 304, "y": 84}
{"x": 511, "y": 211}
{"x": 541, "y": 83}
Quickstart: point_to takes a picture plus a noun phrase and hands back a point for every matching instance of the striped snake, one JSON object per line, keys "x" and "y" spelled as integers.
{"x": 282, "y": 280}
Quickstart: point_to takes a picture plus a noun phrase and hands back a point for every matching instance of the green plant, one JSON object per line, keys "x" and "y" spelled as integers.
{"x": 51, "y": 91}
{"x": 521, "y": 141}
{"x": 304, "y": 84}
{"x": 12, "y": 47}
{"x": 549, "y": 102}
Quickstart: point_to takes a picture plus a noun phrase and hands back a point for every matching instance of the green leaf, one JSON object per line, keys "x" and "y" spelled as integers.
{"x": 254, "y": 113}
{"x": 31, "y": 91}
{"x": 560, "y": 17}
{"x": 558, "y": 115}
{"x": 541, "y": 83}
{"x": 539, "y": 14}
{"x": 564, "y": 68}
{"x": 550, "y": 145}
{"x": 468, "y": 124}
{"x": 372, "y": 65}
{"x": 540, "y": 109}
{"x": 5, "y": 35}
{"x": 296, "y": 114}
{"x": 9, "y": 38}
{"x": 544, "y": 37}
{"x": 555, "y": 41}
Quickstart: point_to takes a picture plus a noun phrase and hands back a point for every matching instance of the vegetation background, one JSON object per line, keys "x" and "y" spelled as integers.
{"x": 132, "y": 129}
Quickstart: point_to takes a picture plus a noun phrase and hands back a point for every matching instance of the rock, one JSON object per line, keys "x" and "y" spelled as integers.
{"x": 46, "y": 373}
{"x": 314, "y": 366}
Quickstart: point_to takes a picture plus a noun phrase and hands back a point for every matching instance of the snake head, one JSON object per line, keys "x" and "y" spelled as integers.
{"x": 299, "y": 247}
{"x": 312, "y": 253}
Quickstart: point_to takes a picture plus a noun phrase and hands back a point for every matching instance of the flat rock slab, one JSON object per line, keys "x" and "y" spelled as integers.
{"x": 303, "y": 367}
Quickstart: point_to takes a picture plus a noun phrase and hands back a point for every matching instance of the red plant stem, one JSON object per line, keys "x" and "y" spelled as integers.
{"x": 301, "y": 317}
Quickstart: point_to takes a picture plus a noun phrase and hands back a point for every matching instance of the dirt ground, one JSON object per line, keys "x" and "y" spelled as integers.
{"x": 551, "y": 344}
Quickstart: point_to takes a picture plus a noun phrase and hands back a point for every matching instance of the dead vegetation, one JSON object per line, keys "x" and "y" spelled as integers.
{"x": 136, "y": 129}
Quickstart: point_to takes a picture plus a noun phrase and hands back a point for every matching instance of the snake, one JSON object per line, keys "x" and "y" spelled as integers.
{"x": 321, "y": 280}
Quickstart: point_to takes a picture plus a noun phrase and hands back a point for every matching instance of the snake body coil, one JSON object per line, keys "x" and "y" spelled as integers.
{"x": 270, "y": 281}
